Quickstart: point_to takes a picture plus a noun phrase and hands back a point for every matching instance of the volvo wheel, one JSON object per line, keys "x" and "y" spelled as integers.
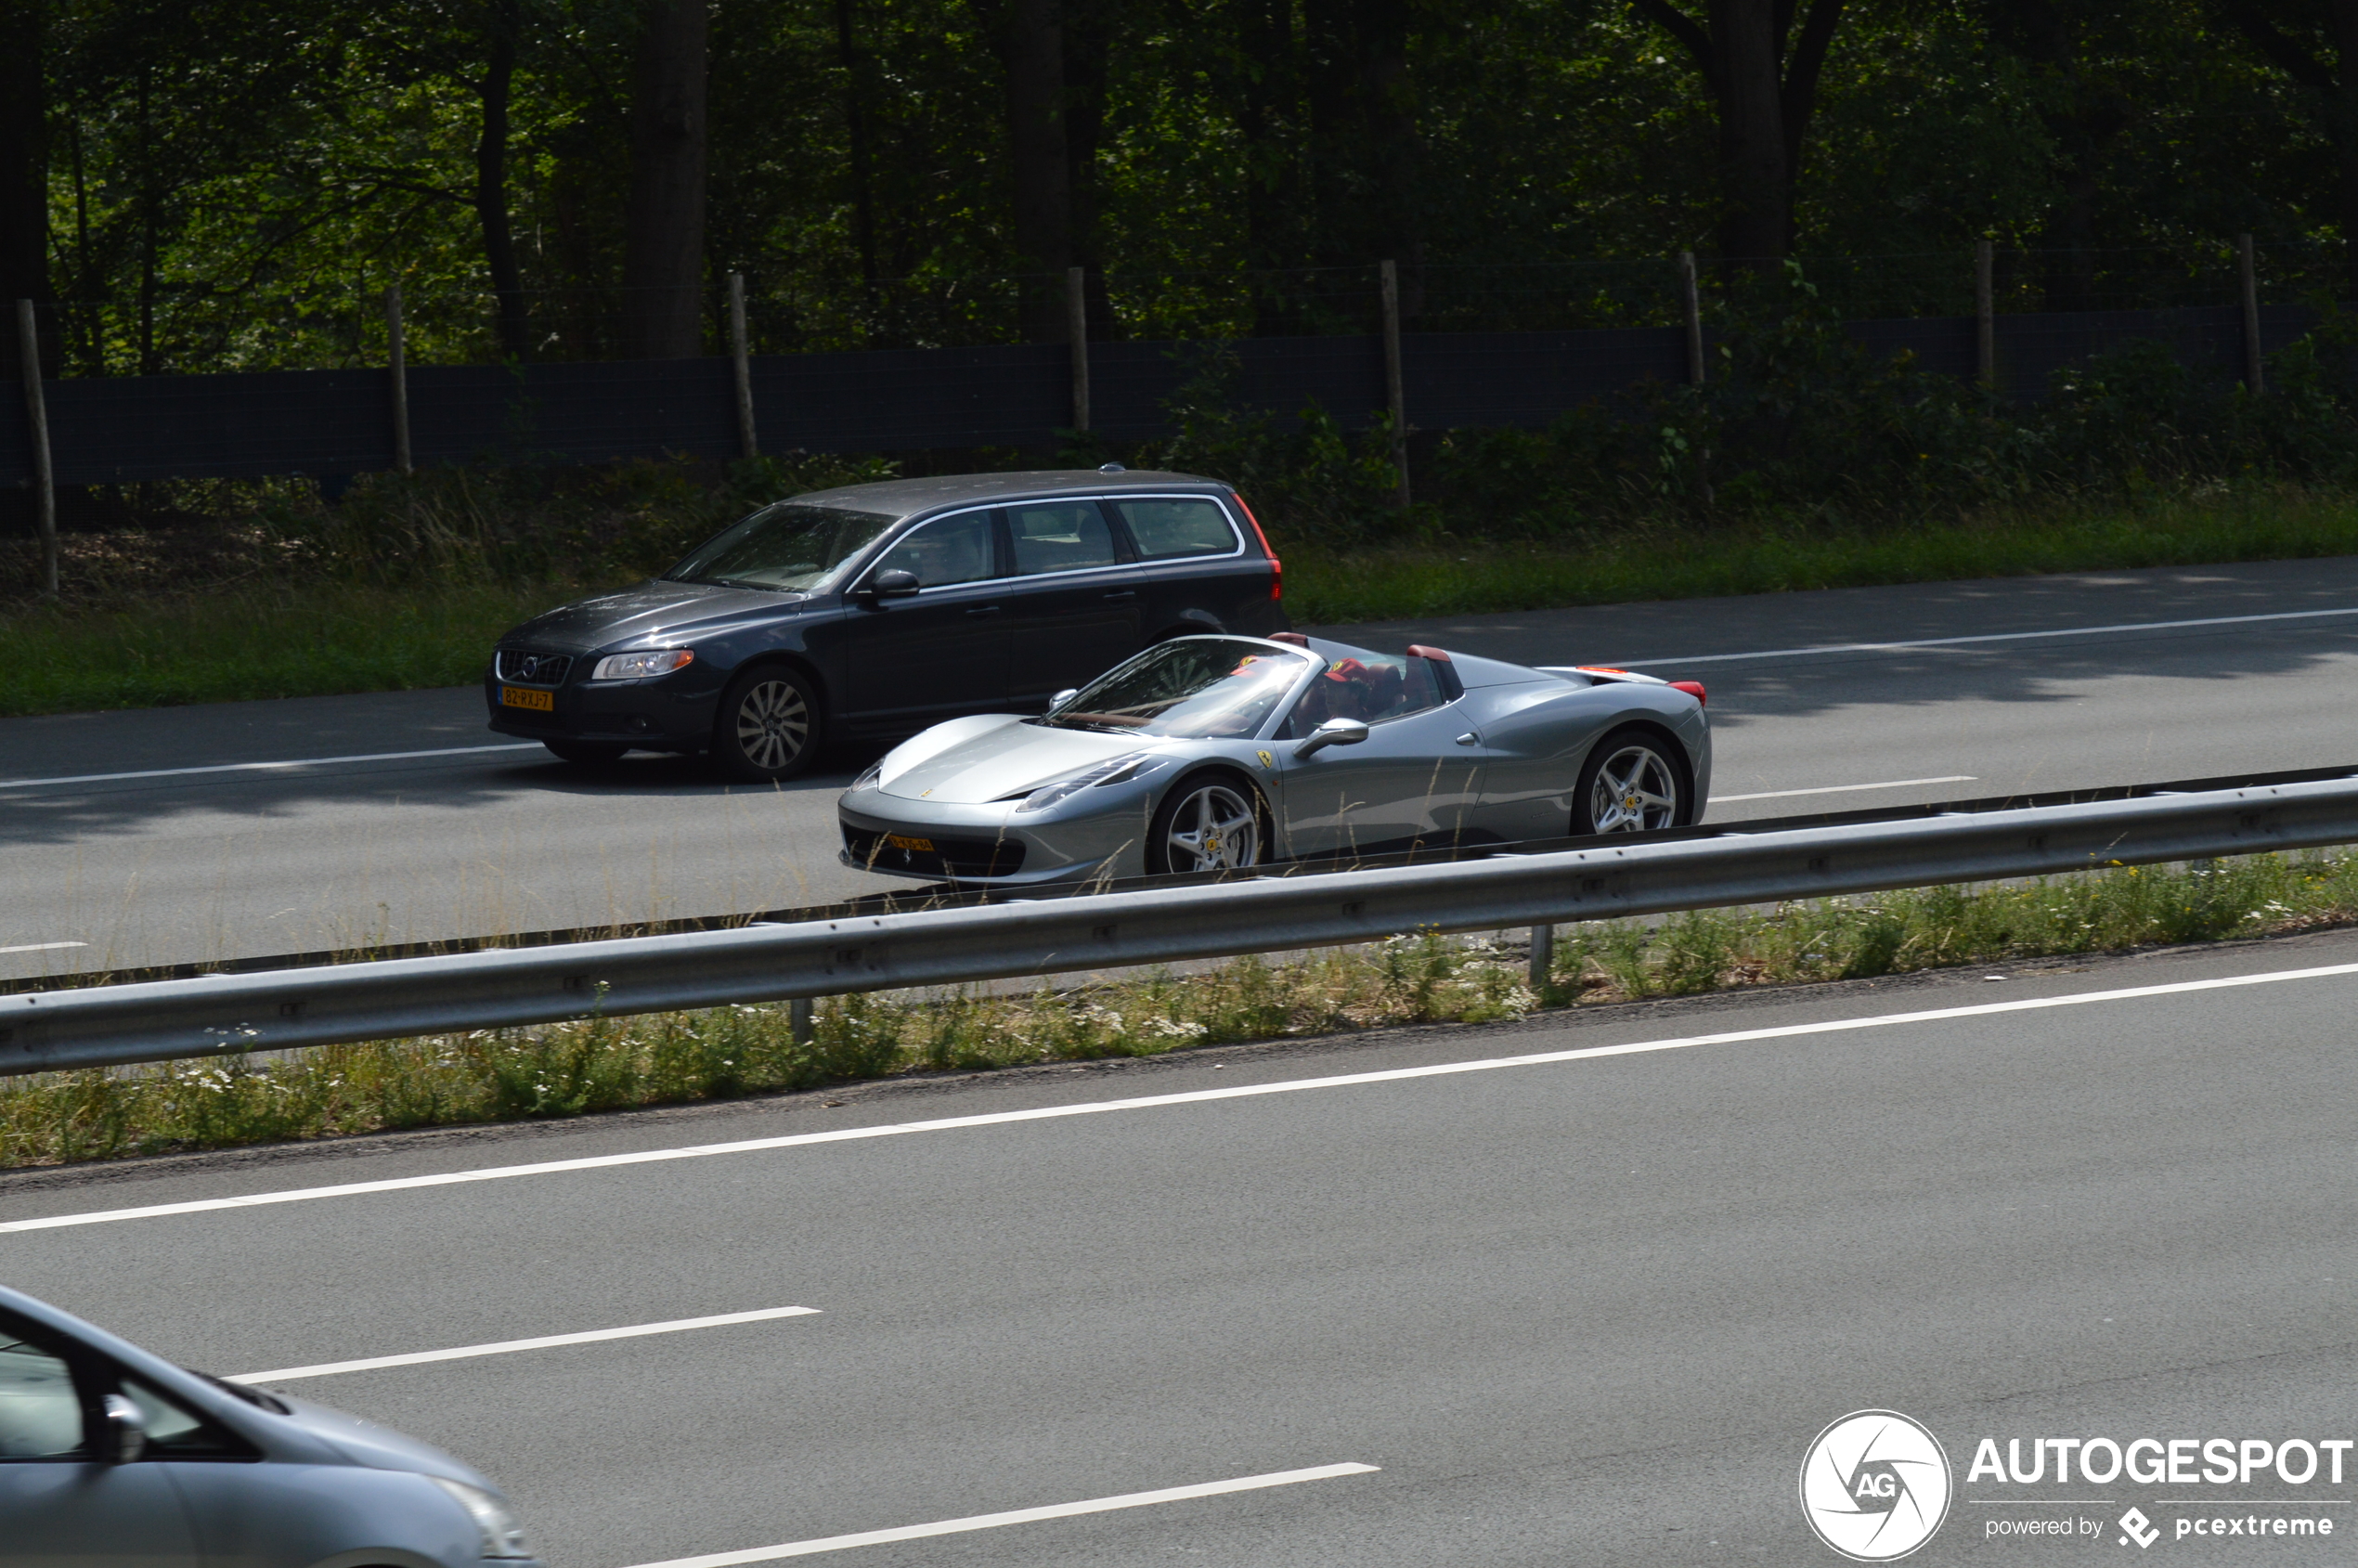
{"x": 1207, "y": 825}
{"x": 767, "y": 727}
{"x": 1633, "y": 782}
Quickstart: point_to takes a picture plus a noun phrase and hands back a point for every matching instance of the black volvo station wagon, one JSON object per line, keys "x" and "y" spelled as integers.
{"x": 876, "y": 610}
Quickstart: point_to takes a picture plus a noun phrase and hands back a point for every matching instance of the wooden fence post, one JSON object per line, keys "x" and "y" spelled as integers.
{"x": 398, "y": 363}
{"x": 1077, "y": 335}
{"x": 747, "y": 445}
{"x": 37, "y": 421}
{"x": 1985, "y": 315}
{"x": 2250, "y": 281}
{"x": 1396, "y": 388}
{"x": 1693, "y": 297}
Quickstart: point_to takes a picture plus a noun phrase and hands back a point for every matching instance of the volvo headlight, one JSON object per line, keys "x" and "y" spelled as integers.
{"x": 1114, "y": 770}
{"x": 638, "y": 667}
{"x": 502, "y": 1537}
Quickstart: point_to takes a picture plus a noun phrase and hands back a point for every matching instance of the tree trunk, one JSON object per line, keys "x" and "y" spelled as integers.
{"x": 1088, "y": 62}
{"x": 491, "y": 180}
{"x": 663, "y": 250}
{"x": 24, "y": 176}
{"x": 1032, "y": 45}
{"x": 2341, "y": 107}
{"x": 855, "y": 118}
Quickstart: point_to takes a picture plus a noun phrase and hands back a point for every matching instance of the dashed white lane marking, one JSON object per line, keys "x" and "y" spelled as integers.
{"x": 503, "y": 1347}
{"x": 266, "y": 766}
{"x": 41, "y": 947}
{"x": 1988, "y": 637}
{"x": 1014, "y": 1516}
{"x": 1157, "y": 1102}
{"x": 1845, "y": 789}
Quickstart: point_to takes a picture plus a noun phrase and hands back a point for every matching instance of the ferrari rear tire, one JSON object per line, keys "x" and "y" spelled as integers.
{"x": 1635, "y": 781}
{"x": 1211, "y": 823}
{"x": 768, "y": 726}
{"x": 585, "y": 753}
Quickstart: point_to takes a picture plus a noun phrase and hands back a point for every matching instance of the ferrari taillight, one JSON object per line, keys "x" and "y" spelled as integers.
{"x": 1692, "y": 688}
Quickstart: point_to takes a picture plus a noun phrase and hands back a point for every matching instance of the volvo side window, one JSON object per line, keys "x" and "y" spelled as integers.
{"x": 1060, "y": 537}
{"x": 949, "y": 550}
{"x": 1172, "y": 527}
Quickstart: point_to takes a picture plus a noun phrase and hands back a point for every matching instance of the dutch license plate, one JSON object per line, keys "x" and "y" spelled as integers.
{"x": 517, "y": 696}
{"x": 901, "y": 841}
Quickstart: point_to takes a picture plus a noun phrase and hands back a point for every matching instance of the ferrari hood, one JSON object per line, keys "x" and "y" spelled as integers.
{"x": 652, "y": 610}
{"x": 1002, "y": 760}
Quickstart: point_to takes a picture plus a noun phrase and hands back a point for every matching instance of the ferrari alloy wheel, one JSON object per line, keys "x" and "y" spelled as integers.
{"x": 767, "y": 727}
{"x": 1631, "y": 784}
{"x": 1206, "y": 825}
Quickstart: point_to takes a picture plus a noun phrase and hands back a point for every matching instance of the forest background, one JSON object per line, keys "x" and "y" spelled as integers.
{"x": 232, "y": 186}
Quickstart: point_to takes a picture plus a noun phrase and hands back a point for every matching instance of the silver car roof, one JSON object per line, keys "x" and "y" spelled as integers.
{"x": 909, "y": 498}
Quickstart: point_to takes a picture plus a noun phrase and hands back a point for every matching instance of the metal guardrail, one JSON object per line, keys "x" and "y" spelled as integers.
{"x": 499, "y": 987}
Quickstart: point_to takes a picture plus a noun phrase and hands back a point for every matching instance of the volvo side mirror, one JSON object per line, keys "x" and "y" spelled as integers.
{"x": 124, "y": 1436}
{"x": 892, "y": 585}
{"x": 1334, "y": 732}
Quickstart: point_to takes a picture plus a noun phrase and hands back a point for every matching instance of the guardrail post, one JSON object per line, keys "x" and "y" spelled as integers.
{"x": 1543, "y": 958}
{"x": 2249, "y": 268}
{"x": 397, "y": 366}
{"x": 1077, "y": 333}
{"x": 798, "y": 1023}
{"x": 37, "y": 422}
{"x": 747, "y": 445}
{"x": 1395, "y": 385}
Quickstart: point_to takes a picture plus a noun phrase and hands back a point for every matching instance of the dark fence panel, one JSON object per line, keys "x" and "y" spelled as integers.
{"x": 328, "y": 422}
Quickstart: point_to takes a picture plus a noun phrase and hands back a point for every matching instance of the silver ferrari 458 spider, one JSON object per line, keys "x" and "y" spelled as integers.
{"x": 1217, "y": 752}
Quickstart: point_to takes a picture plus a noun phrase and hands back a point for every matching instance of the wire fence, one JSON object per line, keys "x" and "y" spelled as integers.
{"x": 332, "y": 324}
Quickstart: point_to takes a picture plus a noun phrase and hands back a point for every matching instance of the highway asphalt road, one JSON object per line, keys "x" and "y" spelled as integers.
{"x": 2222, "y": 670}
{"x": 1583, "y": 1311}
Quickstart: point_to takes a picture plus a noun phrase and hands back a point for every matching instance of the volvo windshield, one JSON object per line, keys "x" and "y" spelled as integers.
{"x": 1193, "y": 687}
{"x": 793, "y": 546}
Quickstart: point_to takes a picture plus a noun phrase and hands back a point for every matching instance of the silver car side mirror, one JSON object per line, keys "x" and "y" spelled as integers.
{"x": 1334, "y": 732}
{"x": 124, "y": 1436}
{"x": 1063, "y": 698}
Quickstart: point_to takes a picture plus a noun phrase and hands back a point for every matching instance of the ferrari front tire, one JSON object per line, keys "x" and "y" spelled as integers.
{"x": 1634, "y": 781}
{"x": 768, "y": 726}
{"x": 1208, "y": 823}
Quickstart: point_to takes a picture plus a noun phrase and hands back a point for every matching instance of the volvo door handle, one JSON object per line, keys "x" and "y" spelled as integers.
{"x": 1125, "y": 594}
{"x": 985, "y": 610}
{"x": 1469, "y": 738}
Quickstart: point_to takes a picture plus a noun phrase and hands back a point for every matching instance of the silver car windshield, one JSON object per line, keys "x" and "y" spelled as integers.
{"x": 1194, "y": 688}
{"x": 791, "y": 546}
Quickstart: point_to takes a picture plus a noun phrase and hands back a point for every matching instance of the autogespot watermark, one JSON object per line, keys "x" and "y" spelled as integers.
{"x": 1876, "y": 1484}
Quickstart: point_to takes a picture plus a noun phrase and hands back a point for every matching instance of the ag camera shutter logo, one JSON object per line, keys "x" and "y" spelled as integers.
{"x": 1875, "y": 1486}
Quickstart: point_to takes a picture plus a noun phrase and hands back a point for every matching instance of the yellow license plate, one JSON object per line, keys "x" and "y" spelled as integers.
{"x": 516, "y": 696}
{"x": 899, "y": 842}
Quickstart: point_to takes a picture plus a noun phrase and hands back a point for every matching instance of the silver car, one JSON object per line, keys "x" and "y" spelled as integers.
{"x": 110, "y": 1455}
{"x": 1213, "y": 753}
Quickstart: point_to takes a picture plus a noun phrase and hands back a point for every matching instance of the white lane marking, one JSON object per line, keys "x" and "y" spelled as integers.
{"x": 1014, "y": 1516}
{"x": 42, "y": 947}
{"x": 1988, "y": 637}
{"x": 1845, "y": 789}
{"x": 1155, "y": 1102}
{"x": 265, "y": 766}
{"x": 502, "y": 1347}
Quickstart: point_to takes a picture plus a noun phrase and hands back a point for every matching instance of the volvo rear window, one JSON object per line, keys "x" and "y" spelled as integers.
{"x": 1169, "y": 527}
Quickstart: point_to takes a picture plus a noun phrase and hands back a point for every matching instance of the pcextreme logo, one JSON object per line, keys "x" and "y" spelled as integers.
{"x": 1875, "y": 1486}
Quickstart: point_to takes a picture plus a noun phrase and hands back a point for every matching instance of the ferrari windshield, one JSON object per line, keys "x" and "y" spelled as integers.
{"x": 791, "y": 546}
{"x": 1194, "y": 688}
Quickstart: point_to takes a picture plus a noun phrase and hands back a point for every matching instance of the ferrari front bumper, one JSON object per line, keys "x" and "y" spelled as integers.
{"x": 993, "y": 843}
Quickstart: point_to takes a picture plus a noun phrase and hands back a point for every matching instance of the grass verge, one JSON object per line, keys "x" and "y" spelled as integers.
{"x": 309, "y": 635}
{"x": 2217, "y": 526}
{"x": 612, "y": 1064}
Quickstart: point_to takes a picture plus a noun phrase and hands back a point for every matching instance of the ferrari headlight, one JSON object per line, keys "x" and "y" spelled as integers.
{"x": 502, "y": 1537}
{"x": 638, "y": 667}
{"x": 1113, "y": 771}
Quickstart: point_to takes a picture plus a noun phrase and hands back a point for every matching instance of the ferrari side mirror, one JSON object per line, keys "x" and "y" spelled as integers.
{"x": 1334, "y": 732}
{"x": 124, "y": 1436}
{"x": 1063, "y": 698}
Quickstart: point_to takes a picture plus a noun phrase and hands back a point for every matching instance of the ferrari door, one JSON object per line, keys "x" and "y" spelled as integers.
{"x": 1411, "y": 783}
